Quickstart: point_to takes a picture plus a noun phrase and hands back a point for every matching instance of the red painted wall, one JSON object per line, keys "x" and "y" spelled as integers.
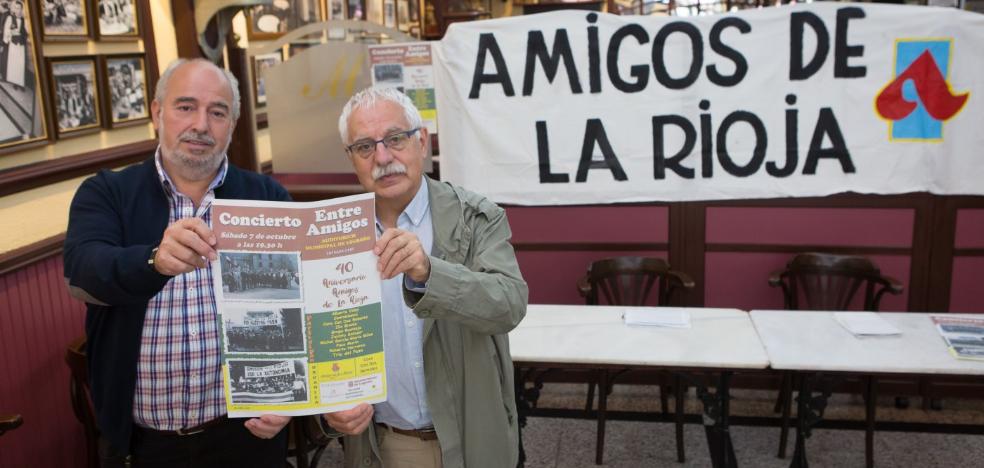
{"x": 37, "y": 321}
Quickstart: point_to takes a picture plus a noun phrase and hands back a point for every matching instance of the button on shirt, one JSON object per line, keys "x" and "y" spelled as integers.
{"x": 403, "y": 333}
{"x": 179, "y": 377}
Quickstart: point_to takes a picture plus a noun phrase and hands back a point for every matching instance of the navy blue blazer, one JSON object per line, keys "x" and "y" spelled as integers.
{"x": 115, "y": 221}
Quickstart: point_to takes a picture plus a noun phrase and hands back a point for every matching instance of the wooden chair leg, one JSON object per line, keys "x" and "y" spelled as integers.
{"x": 591, "y": 391}
{"x": 664, "y": 393}
{"x": 785, "y": 401}
{"x": 602, "y": 410}
{"x": 678, "y": 394}
{"x": 870, "y": 401}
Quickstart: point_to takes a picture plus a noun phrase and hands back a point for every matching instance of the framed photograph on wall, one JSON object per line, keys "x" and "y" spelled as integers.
{"x": 74, "y": 95}
{"x": 403, "y": 15}
{"x": 22, "y": 112}
{"x": 64, "y": 20}
{"x": 389, "y": 13}
{"x": 261, "y": 63}
{"x": 335, "y": 10}
{"x": 273, "y": 21}
{"x": 125, "y": 94}
{"x": 117, "y": 19}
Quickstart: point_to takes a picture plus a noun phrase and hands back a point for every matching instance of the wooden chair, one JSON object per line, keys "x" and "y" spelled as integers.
{"x": 78, "y": 391}
{"x": 822, "y": 281}
{"x": 631, "y": 281}
{"x": 9, "y": 422}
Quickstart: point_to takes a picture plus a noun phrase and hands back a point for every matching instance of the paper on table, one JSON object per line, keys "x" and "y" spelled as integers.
{"x": 672, "y": 318}
{"x": 866, "y": 324}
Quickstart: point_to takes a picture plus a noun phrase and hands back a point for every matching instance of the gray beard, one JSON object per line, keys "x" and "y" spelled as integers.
{"x": 194, "y": 167}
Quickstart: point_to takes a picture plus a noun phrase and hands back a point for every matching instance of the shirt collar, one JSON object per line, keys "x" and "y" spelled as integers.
{"x": 168, "y": 184}
{"x": 416, "y": 209}
{"x": 419, "y": 205}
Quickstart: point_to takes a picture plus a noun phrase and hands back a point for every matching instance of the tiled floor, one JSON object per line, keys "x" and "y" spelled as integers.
{"x": 570, "y": 443}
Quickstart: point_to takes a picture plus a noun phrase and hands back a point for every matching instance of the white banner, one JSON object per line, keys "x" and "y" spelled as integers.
{"x": 578, "y": 107}
{"x": 280, "y": 368}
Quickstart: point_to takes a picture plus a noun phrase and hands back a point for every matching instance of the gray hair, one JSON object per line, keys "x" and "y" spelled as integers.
{"x": 166, "y": 77}
{"x": 369, "y": 97}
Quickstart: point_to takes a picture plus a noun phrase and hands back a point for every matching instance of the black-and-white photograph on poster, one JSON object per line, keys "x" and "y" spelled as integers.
{"x": 64, "y": 19}
{"x": 260, "y": 276}
{"x": 281, "y": 381}
{"x": 22, "y": 118}
{"x": 272, "y": 21}
{"x": 74, "y": 93}
{"x": 118, "y": 18}
{"x": 126, "y": 78}
{"x": 262, "y": 330}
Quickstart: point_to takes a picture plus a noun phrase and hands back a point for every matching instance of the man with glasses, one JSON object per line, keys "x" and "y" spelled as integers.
{"x": 451, "y": 292}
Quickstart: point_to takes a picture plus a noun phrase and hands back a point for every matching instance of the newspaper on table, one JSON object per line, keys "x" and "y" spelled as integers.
{"x": 963, "y": 335}
{"x": 299, "y": 305}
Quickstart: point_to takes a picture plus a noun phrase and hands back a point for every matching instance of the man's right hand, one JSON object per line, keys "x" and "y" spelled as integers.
{"x": 352, "y": 421}
{"x": 186, "y": 245}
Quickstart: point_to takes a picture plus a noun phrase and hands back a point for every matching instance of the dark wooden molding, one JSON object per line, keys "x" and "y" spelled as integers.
{"x": 262, "y": 120}
{"x": 589, "y": 246}
{"x": 23, "y": 256}
{"x": 150, "y": 47}
{"x": 797, "y": 248}
{"x": 976, "y": 252}
{"x": 183, "y": 16}
{"x": 40, "y": 174}
{"x": 266, "y": 167}
{"x": 242, "y": 148}
{"x": 321, "y": 192}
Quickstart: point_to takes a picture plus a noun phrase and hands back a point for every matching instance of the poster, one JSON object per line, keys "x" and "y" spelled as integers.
{"x": 410, "y": 68}
{"x": 299, "y": 305}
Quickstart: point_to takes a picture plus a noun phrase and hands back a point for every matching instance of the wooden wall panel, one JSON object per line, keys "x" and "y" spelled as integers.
{"x": 595, "y": 224}
{"x": 37, "y": 320}
{"x": 970, "y": 229}
{"x": 740, "y": 280}
{"x": 810, "y": 226}
{"x": 552, "y": 276}
{"x": 965, "y": 285}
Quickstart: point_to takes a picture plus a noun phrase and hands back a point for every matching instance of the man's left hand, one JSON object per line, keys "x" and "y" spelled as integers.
{"x": 400, "y": 251}
{"x": 267, "y": 426}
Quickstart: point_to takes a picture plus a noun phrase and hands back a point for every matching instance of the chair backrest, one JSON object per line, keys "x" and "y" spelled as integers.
{"x": 630, "y": 281}
{"x": 78, "y": 389}
{"x": 9, "y": 422}
{"x": 822, "y": 281}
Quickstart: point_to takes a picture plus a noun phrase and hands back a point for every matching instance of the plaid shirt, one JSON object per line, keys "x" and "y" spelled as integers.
{"x": 179, "y": 373}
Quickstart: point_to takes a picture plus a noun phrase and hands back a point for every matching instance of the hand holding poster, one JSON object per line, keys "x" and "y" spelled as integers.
{"x": 299, "y": 305}
{"x": 579, "y": 107}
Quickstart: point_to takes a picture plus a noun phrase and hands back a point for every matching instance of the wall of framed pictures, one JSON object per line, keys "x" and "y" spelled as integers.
{"x": 71, "y": 68}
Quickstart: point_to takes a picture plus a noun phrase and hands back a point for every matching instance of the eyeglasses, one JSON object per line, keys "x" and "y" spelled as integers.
{"x": 393, "y": 142}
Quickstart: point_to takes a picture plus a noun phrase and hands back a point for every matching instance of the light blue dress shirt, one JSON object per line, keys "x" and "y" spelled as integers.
{"x": 403, "y": 334}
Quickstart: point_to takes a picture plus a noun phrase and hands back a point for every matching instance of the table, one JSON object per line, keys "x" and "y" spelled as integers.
{"x": 720, "y": 340}
{"x": 812, "y": 342}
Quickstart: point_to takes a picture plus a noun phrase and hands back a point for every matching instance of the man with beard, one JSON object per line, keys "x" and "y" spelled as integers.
{"x": 138, "y": 251}
{"x": 451, "y": 290}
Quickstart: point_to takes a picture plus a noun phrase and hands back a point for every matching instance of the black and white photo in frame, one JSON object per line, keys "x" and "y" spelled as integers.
{"x": 271, "y": 21}
{"x": 117, "y": 18}
{"x": 281, "y": 381}
{"x": 260, "y": 276}
{"x": 74, "y": 93}
{"x": 22, "y": 113}
{"x": 64, "y": 19}
{"x": 262, "y": 330}
{"x": 126, "y": 79}
{"x": 262, "y": 62}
